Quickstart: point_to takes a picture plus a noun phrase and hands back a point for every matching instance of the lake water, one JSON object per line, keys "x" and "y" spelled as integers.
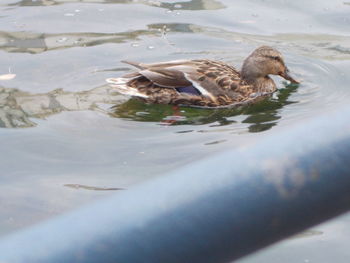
{"x": 64, "y": 146}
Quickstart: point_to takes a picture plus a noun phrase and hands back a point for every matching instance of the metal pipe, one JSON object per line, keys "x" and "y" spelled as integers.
{"x": 216, "y": 210}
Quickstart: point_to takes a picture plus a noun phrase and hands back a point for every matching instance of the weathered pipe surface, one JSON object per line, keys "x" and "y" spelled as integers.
{"x": 216, "y": 210}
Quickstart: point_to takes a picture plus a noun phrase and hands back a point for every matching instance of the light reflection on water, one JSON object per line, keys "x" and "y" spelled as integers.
{"x": 62, "y": 51}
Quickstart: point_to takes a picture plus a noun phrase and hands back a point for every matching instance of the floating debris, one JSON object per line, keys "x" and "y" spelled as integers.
{"x": 7, "y": 76}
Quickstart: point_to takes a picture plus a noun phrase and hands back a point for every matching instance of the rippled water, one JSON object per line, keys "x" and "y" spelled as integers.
{"x": 62, "y": 143}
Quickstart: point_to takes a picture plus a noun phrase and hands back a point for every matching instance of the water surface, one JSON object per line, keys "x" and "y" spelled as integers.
{"x": 64, "y": 146}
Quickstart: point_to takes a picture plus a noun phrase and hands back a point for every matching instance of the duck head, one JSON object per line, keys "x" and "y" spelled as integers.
{"x": 260, "y": 64}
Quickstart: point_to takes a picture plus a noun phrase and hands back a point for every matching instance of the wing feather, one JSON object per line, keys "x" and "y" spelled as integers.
{"x": 211, "y": 78}
{"x": 166, "y": 77}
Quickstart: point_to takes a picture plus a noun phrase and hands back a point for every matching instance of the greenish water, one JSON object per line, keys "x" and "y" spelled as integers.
{"x": 63, "y": 127}
{"x": 261, "y": 116}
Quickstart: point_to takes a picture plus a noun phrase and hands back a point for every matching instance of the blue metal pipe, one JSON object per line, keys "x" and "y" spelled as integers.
{"x": 216, "y": 210}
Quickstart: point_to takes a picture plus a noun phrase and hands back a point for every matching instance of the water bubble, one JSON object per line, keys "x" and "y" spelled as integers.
{"x": 135, "y": 44}
{"x": 169, "y": 11}
{"x": 68, "y": 14}
{"x": 150, "y": 47}
{"x": 76, "y": 10}
{"x": 177, "y": 13}
{"x": 100, "y": 9}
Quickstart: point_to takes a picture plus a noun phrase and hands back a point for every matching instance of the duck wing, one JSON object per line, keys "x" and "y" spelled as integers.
{"x": 211, "y": 78}
{"x": 161, "y": 74}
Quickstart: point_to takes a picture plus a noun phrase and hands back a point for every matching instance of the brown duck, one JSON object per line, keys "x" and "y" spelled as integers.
{"x": 205, "y": 83}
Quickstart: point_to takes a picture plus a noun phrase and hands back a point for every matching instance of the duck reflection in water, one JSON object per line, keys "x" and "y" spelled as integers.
{"x": 261, "y": 116}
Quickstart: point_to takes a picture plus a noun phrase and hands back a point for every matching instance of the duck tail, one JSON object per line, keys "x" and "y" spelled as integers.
{"x": 121, "y": 85}
{"x": 135, "y": 64}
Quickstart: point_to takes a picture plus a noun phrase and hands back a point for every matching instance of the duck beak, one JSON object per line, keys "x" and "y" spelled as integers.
{"x": 286, "y": 76}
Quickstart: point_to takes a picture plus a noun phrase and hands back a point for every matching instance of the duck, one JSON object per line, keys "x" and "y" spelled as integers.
{"x": 203, "y": 82}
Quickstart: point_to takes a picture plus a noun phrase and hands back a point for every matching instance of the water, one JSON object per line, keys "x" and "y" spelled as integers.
{"x": 63, "y": 145}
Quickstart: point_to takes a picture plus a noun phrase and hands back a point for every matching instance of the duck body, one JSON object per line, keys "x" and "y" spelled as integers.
{"x": 199, "y": 82}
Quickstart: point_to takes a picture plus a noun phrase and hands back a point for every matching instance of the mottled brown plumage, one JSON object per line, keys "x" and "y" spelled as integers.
{"x": 203, "y": 82}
